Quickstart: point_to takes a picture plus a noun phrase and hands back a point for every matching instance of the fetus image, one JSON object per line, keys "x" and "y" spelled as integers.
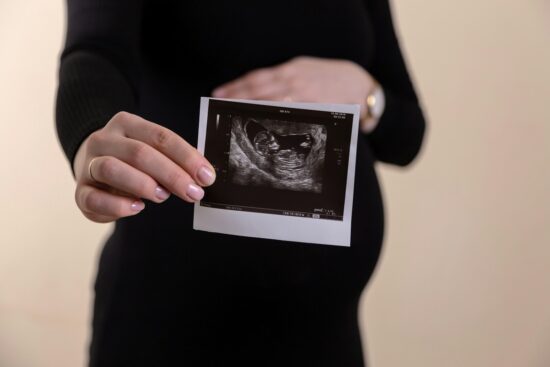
{"x": 277, "y": 154}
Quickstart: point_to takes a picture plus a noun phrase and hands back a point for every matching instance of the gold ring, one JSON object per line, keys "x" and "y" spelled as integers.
{"x": 90, "y": 169}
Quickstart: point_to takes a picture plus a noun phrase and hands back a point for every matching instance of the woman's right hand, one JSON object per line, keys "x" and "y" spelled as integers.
{"x": 131, "y": 159}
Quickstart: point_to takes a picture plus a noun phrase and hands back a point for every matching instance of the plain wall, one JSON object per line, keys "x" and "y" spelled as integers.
{"x": 464, "y": 279}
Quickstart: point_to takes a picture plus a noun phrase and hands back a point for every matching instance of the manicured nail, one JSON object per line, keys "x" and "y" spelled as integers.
{"x": 195, "y": 192}
{"x": 161, "y": 193}
{"x": 137, "y": 206}
{"x": 206, "y": 176}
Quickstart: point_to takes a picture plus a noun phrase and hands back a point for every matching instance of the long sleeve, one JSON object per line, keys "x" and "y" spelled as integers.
{"x": 398, "y": 137}
{"x": 99, "y": 67}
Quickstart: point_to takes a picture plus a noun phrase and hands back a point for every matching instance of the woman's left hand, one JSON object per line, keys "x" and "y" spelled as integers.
{"x": 304, "y": 79}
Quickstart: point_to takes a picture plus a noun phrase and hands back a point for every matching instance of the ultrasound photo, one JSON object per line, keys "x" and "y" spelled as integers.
{"x": 277, "y": 154}
{"x": 283, "y": 170}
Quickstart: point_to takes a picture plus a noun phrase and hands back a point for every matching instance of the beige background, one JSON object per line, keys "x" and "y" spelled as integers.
{"x": 464, "y": 279}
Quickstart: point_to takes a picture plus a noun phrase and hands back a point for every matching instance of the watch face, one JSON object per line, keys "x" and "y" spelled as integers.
{"x": 371, "y": 101}
{"x": 376, "y": 102}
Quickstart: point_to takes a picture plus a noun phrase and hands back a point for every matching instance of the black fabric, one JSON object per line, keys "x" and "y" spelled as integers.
{"x": 166, "y": 294}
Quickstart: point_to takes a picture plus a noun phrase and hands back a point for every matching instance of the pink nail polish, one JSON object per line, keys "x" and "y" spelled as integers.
{"x": 137, "y": 206}
{"x": 195, "y": 192}
{"x": 161, "y": 193}
{"x": 206, "y": 176}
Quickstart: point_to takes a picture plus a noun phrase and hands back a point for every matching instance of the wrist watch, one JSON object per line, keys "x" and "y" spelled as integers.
{"x": 375, "y": 103}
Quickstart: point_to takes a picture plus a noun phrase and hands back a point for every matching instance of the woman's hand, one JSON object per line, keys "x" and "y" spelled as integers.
{"x": 131, "y": 159}
{"x": 304, "y": 79}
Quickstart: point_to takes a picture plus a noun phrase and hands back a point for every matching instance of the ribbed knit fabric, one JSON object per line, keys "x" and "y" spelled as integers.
{"x": 93, "y": 91}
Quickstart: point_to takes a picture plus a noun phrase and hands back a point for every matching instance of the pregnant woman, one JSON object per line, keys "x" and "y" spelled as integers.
{"x": 131, "y": 75}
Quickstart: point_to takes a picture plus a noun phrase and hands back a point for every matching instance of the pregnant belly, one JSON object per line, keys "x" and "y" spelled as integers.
{"x": 161, "y": 240}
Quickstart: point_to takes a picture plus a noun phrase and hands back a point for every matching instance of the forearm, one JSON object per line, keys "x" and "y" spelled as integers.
{"x": 91, "y": 90}
{"x": 399, "y": 133}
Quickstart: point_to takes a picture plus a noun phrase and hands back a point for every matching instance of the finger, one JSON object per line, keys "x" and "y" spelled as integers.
{"x": 284, "y": 95}
{"x": 98, "y": 218}
{"x": 236, "y": 89}
{"x": 153, "y": 163}
{"x": 162, "y": 139}
{"x": 123, "y": 177}
{"x": 263, "y": 91}
{"x": 170, "y": 145}
{"x": 99, "y": 204}
{"x": 250, "y": 81}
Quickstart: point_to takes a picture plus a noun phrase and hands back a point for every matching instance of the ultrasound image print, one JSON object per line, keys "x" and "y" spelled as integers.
{"x": 277, "y": 154}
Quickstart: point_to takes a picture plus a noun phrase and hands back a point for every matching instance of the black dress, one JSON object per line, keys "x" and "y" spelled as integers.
{"x": 169, "y": 295}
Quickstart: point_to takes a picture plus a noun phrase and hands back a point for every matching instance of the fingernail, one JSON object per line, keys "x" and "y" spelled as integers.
{"x": 137, "y": 206}
{"x": 206, "y": 176}
{"x": 195, "y": 192}
{"x": 217, "y": 93}
{"x": 161, "y": 193}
